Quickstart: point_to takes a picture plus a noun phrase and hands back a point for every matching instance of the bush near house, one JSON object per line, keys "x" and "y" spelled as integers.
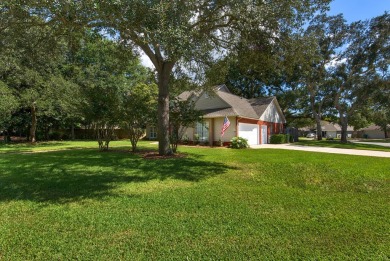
{"x": 239, "y": 143}
{"x": 280, "y": 138}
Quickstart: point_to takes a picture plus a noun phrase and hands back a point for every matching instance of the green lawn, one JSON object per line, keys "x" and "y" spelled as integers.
{"x": 338, "y": 144}
{"x": 75, "y": 203}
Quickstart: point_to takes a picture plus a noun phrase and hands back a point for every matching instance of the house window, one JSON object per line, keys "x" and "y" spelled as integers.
{"x": 202, "y": 130}
{"x": 153, "y": 133}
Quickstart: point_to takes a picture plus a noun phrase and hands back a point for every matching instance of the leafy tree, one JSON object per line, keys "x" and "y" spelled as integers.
{"x": 31, "y": 57}
{"x": 111, "y": 86}
{"x": 317, "y": 49}
{"x": 182, "y": 115}
{"x": 365, "y": 60}
{"x": 139, "y": 110}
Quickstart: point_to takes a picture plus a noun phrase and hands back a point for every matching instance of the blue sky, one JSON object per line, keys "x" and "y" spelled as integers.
{"x": 355, "y": 10}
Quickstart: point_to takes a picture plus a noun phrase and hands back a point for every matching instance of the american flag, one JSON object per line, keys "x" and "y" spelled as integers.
{"x": 226, "y": 124}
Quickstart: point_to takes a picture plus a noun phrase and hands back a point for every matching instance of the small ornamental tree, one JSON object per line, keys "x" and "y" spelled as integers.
{"x": 140, "y": 108}
{"x": 182, "y": 115}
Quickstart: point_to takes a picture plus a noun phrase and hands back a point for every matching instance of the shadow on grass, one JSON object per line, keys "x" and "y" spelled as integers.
{"x": 66, "y": 176}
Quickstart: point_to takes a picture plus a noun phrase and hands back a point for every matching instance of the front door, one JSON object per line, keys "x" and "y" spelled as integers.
{"x": 264, "y": 134}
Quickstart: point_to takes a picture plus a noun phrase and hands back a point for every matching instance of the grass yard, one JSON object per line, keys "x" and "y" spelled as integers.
{"x": 337, "y": 144}
{"x": 73, "y": 202}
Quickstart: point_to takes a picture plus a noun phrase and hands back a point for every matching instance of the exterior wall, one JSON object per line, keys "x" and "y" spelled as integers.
{"x": 349, "y": 134}
{"x": 215, "y": 127}
{"x": 229, "y": 133}
{"x": 271, "y": 114}
{"x": 374, "y": 134}
{"x": 210, "y": 102}
{"x": 330, "y": 134}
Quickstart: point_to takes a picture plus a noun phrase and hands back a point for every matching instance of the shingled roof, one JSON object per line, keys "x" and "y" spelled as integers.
{"x": 238, "y": 106}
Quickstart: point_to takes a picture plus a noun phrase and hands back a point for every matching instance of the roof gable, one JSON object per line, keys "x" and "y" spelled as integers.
{"x": 273, "y": 112}
{"x": 224, "y": 103}
{"x": 206, "y": 101}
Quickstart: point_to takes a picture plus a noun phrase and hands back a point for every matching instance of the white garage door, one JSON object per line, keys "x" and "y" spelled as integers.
{"x": 249, "y": 132}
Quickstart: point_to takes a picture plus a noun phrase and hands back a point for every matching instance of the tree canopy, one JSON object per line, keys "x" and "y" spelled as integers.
{"x": 187, "y": 33}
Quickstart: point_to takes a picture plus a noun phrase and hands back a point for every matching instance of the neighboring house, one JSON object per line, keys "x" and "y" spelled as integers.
{"x": 333, "y": 130}
{"x": 329, "y": 130}
{"x": 373, "y": 132}
{"x": 253, "y": 119}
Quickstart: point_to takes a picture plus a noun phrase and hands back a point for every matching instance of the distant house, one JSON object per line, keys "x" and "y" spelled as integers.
{"x": 329, "y": 130}
{"x": 373, "y": 132}
{"x": 254, "y": 119}
{"x": 333, "y": 130}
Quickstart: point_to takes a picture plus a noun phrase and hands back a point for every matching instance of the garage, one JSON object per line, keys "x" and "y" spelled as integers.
{"x": 249, "y": 132}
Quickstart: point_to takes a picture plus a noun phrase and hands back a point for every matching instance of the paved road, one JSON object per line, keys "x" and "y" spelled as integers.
{"x": 324, "y": 150}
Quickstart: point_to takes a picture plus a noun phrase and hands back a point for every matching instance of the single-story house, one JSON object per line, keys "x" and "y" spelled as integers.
{"x": 333, "y": 130}
{"x": 253, "y": 119}
{"x": 373, "y": 132}
{"x": 329, "y": 130}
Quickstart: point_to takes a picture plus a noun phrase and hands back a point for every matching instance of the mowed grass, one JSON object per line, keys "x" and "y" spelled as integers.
{"x": 214, "y": 204}
{"x": 338, "y": 144}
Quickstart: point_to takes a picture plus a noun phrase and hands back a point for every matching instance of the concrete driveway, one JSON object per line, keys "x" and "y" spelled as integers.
{"x": 384, "y": 144}
{"x": 324, "y": 150}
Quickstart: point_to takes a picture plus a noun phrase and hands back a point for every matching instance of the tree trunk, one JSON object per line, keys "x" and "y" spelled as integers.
{"x": 317, "y": 115}
{"x": 344, "y": 125}
{"x": 163, "y": 109}
{"x": 319, "y": 127}
{"x": 33, "y": 128}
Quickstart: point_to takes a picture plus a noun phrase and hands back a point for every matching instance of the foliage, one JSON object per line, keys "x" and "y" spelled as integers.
{"x": 212, "y": 204}
{"x": 366, "y": 59}
{"x": 188, "y": 34}
{"x": 31, "y": 57}
{"x": 279, "y": 138}
{"x": 239, "y": 143}
{"x": 182, "y": 115}
{"x": 8, "y": 105}
{"x": 139, "y": 110}
{"x": 106, "y": 76}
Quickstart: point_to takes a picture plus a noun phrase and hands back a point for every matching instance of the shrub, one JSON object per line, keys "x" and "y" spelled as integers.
{"x": 65, "y": 136}
{"x": 279, "y": 138}
{"x": 55, "y": 135}
{"x": 239, "y": 143}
